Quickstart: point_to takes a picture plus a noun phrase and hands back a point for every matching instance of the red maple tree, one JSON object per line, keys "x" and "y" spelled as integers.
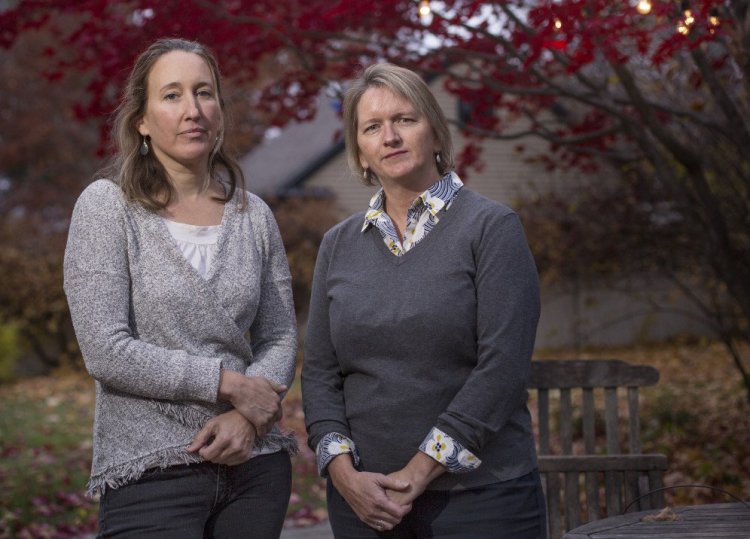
{"x": 656, "y": 89}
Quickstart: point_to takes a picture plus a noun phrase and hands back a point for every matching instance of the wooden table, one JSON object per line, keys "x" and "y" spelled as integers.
{"x": 721, "y": 520}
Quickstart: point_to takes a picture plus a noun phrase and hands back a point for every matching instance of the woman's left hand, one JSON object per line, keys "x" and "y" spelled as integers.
{"x": 225, "y": 439}
{"x": 418, "y": 473}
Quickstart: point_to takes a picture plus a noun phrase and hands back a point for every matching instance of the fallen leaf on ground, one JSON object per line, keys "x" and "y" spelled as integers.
{"x": 665, "y": 515}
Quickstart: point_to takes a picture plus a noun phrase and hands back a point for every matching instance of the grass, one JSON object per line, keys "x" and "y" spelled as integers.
{"x": 697, "y": 415}
{"x": 45, "y": 450}
{"x": 307, "y": 503}
{"x": 45, "y": 458}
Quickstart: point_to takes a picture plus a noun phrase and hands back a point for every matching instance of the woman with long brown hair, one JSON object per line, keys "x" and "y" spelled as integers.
{"x": 181, "y": 299}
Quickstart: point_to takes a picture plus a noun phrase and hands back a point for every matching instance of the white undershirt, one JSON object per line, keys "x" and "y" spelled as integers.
{"x": 197, "y": 243}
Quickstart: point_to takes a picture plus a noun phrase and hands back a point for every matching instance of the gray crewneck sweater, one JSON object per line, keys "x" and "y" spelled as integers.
{"x": 154, "y": 334}
{"x": 441, "y": 336}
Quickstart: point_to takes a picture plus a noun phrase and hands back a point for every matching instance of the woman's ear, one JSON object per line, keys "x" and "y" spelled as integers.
{"x": 142, "y": 128}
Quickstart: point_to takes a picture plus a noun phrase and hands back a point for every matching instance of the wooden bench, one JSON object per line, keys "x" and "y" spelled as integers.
{"x": 596, "y": 474}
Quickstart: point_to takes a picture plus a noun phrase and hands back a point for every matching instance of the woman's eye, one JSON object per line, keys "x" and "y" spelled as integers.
{"x": 371, "y": 128}
{"x": 205, "y": 93}
{"x": 171, "y": 96}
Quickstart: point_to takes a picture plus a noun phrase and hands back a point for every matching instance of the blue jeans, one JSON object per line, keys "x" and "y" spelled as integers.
{"x": 513, "y": 509}
{"x": 203, "y": 500}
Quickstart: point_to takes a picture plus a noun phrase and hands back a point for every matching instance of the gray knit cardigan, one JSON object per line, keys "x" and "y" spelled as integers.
{"x": 154, "y": 334}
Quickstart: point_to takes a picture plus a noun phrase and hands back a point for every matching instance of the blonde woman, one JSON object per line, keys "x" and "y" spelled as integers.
{"x": 422, "y": 323}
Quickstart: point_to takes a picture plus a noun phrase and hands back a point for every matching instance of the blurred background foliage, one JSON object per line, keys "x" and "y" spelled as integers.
{"x": 48, "y": 154}
{"x": 665, "y": 111}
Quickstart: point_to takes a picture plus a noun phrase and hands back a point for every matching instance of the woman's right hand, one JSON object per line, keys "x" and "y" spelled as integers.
{"x": 225, "y": 439}
{"x": 256, "y": 398}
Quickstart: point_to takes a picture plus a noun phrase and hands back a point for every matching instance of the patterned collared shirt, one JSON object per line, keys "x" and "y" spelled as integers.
{"x": 421, "y": 218}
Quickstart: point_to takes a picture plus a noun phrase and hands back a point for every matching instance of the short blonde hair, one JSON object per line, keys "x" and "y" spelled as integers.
{"x": 407, "y": 84}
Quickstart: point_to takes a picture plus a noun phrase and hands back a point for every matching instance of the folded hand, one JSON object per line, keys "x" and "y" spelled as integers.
{"x": 365, "y": 493}
{"x": 225, "y": 439}
{"x": 257, "y": 399}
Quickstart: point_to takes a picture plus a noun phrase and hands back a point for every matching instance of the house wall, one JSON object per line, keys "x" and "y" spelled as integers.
{"x": 352, "y": 195}
{"x": 581, "y": 316}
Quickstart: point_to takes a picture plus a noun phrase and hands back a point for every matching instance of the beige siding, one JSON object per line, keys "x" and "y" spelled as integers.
{"x": 351, "y": 194}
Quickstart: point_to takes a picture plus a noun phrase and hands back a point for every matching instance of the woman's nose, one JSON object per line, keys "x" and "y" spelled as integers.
{"x": 390, "y": 135}
{"x": 192, "y": 110}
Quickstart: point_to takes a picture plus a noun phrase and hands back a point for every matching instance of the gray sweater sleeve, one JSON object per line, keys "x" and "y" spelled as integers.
{"x": 322, "y": 379}
{"x": 274, "y": 329}
{"x": 97, "y": 285}
{"x": 508, "y": 306}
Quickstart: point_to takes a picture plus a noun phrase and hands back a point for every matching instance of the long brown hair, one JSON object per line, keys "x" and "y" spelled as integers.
{"x": 143, "y": 178}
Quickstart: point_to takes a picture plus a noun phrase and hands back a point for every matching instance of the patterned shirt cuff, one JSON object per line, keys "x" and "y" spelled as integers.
{"x": 332, "y": 445}
{"x": 449, "y": 452}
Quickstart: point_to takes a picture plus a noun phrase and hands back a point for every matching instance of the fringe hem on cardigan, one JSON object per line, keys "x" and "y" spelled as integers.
{"x": 128, "y": 472}
{"x": 277, "y": 440}
{"x": 195, "y": 418}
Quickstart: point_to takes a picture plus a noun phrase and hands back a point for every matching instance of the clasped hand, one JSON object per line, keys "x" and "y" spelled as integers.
{"x": 368, "y": 494}
{"x": 257, "y": 399}
{"x": 229, "y": 437}
{"x": 225, "y": 439}
{"x": 382, "y": 501}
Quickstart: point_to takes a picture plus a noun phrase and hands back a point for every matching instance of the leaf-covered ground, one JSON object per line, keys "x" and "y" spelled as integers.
{"x": 697, "y": 415}
{"x": 45, "y": 456}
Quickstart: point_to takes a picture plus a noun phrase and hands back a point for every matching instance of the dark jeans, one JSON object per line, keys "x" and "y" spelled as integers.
{"x": 513, "y": 509}
{"x": 203, "y": 500}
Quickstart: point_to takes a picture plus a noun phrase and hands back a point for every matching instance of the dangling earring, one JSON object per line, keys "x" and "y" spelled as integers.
{"x": 364, "y": 174}
{"x": 438, "y": 159}
{"x": 143, "y": 150}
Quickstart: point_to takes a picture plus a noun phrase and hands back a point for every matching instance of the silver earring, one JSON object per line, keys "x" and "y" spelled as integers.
{"x": 364, "y": 174}
{"x": 143, "y": 150}
{"x": 438, "y": 159}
